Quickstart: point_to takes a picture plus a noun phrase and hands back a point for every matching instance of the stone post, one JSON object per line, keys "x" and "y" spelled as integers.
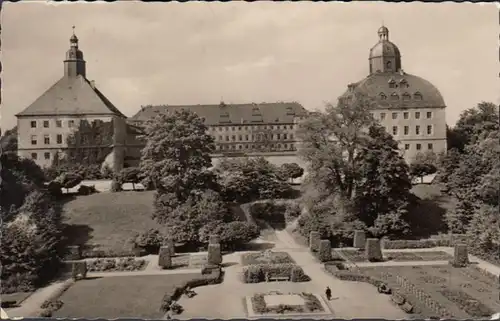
{"x": 461, "y": 256}
{"x": 314, "y": 239}
{"x": 164, "y": 257}
{"x": 170, "y": 243}
{"x": 214, "y": 239}
{"x": 359, "y": 239}
{"x": 325, "y": 251}
{"x": 214, "y": 254}
{"x": 373, "y": 250}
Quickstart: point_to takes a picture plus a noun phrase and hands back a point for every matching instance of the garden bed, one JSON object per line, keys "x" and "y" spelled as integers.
{"x": 266, "y": 257}
{"x": 454, "y": 292}
{"x": 14, "y": 299}
{"x": 278, "y": 303}
{"x": 358, "y": 255}
{"x": 120, "y": 296}
{"x": 256, "y": 273}
{"x": 116, "y": 265}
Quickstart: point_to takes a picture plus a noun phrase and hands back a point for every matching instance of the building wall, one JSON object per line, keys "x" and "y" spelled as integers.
{"x": 68, "y": 124}
{"x": 417, "y": 135}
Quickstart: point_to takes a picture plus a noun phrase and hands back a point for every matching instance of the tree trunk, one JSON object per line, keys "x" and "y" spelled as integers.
{"x": 133, "y": 186}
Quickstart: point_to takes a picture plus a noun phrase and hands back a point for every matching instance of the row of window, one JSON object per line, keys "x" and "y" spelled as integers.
{"x": 46, "y": 139}
{"x": 405, "y": 96}
{"x": 46, "y": 123}
{"x": 419, "y": 146}
{"x": 258, "y": 137}
{"x": 46, "y": 155}
{"x": 406, "y": 115}
{"x": 256, "y": 147}
{"x": 247, "y": 127}
{"x": 406, "y": 130}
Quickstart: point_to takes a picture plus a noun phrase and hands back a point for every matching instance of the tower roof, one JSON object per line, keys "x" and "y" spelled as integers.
{"x": 71, "y": 96}
{"x": 384, "y": 47}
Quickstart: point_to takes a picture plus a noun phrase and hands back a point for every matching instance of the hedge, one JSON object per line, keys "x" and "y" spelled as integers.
{"x": 216, "y": 277}
{"x": 257, "y": 273}
{"x": 89, "y": 254}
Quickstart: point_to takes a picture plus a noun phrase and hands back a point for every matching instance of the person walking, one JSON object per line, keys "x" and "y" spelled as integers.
{"x": 328, "y": 293}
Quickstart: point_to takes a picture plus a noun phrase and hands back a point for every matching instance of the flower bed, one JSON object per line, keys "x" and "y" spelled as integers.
{"x": 266, "y": 257}
{"x": 467, "y": 303}
{"x": 260, "y": 272}
{"x": 116, "y": 265}
{"x": 358, "y": 255}
{"x": 311, "y": 304}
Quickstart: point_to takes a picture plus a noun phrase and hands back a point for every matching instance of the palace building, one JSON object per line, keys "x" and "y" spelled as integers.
{"x": 44, "y": 126}
{"x": 409, "y": 107}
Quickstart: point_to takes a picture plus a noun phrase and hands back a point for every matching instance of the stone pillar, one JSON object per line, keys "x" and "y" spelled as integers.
{"x": 314, "y": 239}
{"x": 359, "y": 239}
{"x": 214, "y": 239}
{"x": 461, "y": 255}
{"x": 170, "y": 244}
{"x": 325, "y": 251}
{"x": 164, "y": 257}
{"x": 214, "y": 254}
{"x": 373, "y": 250}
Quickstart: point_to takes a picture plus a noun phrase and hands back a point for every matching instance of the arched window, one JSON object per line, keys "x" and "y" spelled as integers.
{"x": 417, "y": 96}
{"x": 406, "y": 96}
{"x": 394, "y": 96}
{"x": 383, "y": 96}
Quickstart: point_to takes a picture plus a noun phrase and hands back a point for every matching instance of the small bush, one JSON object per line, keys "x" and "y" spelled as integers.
{"x": 257, "y": 273}
{"x": 150, "y": 241}
{"x": 373, "y": 250}
{"x": 79, "y": 269}
{"x": 165, "y": 257}
{"x": 116, "y": 265}
{"x": 292, "y": 211}
{"x": 215, "y": 278}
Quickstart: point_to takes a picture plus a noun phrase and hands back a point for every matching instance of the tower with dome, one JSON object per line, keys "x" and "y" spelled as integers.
{"x": 409, "y": 107}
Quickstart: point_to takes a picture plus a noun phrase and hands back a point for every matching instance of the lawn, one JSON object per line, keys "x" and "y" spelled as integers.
{"x": 359, "y": 256}
{"x": 463, "y": 292}
{"x": 108, "y": 220}
{"x": 266, "y": 257}
{"x": 119, "y": 297}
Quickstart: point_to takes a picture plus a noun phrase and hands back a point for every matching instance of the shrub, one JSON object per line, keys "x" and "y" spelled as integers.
{"x": 150, "y": 241}
{"x": 214, "y": 254}
{"x": 410, "y": 244}
{"x": 89, "y": 253}
{"x": 325, "y": 251}
{"x": 292, "y": 211}
{"x": 214, "y": 239}
{"x": 270, "y": 212}
{"x": 171, "y": 245}
{"x": 79, "y": 269}
{"x": 298, "y": 275}
{"x": 116, "y": 186}
{"x": 235, "y": 235}
{"x": 215, "y": 278}
{"x": 86, "y": 190}
{"x": 314, "y": 241}
{"x": 257, "y": 273}
{"x": 113, "y": 265}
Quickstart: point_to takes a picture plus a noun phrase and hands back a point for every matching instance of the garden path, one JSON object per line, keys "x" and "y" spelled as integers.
{"x": 353, "y": 299}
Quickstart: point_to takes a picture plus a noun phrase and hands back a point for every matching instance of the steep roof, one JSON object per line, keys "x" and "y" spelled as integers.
{"x": 408, "y": 88}
{"x": 71, "y": 96}
{"x": 223, "y": 114}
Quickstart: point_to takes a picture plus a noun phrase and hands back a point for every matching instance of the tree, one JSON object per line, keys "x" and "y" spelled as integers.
{"x": 292, "y": 170}
{"x": 382, "y": 194}
{"x": 129, "y": 175}
{"x": 176, "y": 160}
{"x": 8, "y": 141}
{"x": 424, "y": 164}
{"x": 331, "y": 140}
{"x": 248, "y": 179}
{"x": 69, "y": 180}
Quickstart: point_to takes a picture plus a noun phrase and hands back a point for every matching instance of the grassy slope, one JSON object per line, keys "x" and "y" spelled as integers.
{"x": 108, "y": 219}
{"x": 139, "y": 296}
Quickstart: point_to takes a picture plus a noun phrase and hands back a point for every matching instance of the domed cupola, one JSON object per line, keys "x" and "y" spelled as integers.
{"x": 74, "y": 64}
{"x": 384, "y": 56}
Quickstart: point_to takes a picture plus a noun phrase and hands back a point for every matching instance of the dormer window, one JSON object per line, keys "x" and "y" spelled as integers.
{"x": 406, "y": 96}
{"x": 417, "y": 96}
{"x": 382, "y": 96}
{"x": 394, "y": 96}
{"x": 392, "y": 84}
{"x": 403, "y": 83}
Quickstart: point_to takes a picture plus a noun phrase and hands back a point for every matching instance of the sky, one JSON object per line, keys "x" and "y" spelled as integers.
{"x": 238, "y": 52}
